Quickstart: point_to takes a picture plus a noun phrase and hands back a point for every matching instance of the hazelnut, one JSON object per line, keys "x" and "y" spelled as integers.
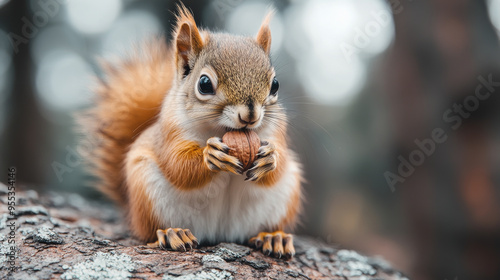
{"x": 244, "y": 145}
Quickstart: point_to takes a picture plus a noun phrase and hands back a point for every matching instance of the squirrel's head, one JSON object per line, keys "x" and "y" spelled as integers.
{"x": 226, "y": 81}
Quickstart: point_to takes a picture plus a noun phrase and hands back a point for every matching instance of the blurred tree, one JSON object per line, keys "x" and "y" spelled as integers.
{"x": 441, "y": 49}
{"x": 26, "y": 128}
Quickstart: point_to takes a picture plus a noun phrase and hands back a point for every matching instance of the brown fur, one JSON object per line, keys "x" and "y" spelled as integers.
{"x": 239, "y": 63}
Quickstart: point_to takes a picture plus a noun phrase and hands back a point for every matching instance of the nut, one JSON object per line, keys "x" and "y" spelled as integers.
{"x": 244, "y": 145}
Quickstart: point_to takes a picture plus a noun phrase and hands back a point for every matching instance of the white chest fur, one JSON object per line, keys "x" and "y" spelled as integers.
{"x": 226, "y": 209}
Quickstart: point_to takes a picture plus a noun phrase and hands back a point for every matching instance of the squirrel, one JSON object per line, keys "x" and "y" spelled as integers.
{"x": 159, "y": 115}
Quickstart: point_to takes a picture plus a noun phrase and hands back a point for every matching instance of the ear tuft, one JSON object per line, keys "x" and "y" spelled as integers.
{"x": 183, "y": 41}
{"x": 264, "y": 34}
{"x": 187, "y": 36}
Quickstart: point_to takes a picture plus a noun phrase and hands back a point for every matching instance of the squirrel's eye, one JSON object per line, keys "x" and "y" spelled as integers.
{"x": 205, "y": 85}
{"x": 274, "y": 87}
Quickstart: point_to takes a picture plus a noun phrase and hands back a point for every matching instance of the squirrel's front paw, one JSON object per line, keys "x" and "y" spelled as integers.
{"x": 176, "y": 238}
{"x": 265, "y": 162}
{"x": 216, "y": 157}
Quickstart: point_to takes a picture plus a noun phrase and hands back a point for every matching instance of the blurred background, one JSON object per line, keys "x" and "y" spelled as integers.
{"x": 393, "y": 106}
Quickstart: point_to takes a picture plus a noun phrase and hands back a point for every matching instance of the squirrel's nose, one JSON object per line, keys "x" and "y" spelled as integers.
{"x": 247, "y": 120}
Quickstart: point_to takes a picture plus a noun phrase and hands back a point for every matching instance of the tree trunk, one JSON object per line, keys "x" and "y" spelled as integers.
{"x": 65, "y": 236}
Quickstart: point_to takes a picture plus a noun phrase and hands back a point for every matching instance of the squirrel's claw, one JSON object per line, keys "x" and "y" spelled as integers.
{"x": 216, "y": 143}
{"x": 216, "y": 157}
{"x": 265, "y": 162}
{"x": 265, "y": 149}
{"x": 175, "y": 238}
{"x": 278, "y": 243}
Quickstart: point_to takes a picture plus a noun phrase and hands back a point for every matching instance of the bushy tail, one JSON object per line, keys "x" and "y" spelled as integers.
{"x": 127, "y": 101}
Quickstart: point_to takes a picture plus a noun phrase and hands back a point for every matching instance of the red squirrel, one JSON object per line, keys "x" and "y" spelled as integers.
{"x": 160, "y": 114}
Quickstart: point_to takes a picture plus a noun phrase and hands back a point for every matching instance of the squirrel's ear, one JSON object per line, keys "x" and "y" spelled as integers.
{"x": 187, "y": 36}
{"x": 264, "y": 34}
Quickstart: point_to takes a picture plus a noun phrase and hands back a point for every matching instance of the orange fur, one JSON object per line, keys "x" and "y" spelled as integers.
{"x": 181, "y": 161}
{"x": 264, "y": 34}
{"x": 185, "y": 16}
{"x": 187, "y": 33}
{"x": 127, "y": 101}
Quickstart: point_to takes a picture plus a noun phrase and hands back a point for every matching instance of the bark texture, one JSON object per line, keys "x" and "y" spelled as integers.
{"x": 64, "y": 236}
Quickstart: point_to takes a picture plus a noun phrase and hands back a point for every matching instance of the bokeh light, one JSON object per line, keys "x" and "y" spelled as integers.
{"x": 376, "y": 23}
{"x": 494, "y": 13}
{"x": 331, "y": 83}
{"x": 54, "y": 37}
{"x": 62, "y": 81}
{"x": 328, "y": 23}
{"x": 92, "y": 16}
{"x": 246, "y": 19}
{"x": 334, "y": 42}
{"x": 3, "y": 2}
{"x": 129, "y": 29}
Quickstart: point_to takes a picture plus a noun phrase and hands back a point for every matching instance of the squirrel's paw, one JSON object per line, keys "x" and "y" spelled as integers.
{"x": 265, "y": 162}
{"x": 278, "y": 242}
{"x": 216, "y": 157}
{"x": 176, "y": 238}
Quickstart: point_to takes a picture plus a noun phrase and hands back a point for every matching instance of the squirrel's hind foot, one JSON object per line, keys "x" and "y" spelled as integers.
{"x": 175, "y": 238}
{"x": 278, "y": 242}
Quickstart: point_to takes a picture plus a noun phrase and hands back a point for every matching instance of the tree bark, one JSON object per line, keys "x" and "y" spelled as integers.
{"x": 65, "y": 236}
